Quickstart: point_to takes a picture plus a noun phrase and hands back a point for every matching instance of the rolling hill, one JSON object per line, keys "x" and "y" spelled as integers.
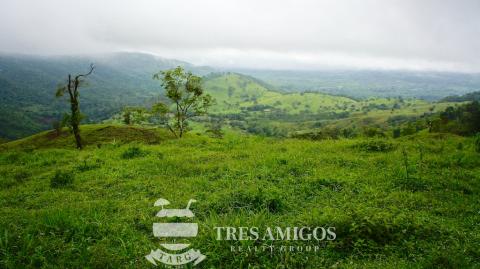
{"x": 28, "y": 105}
{"x": 256, "y": 107}
{"x": 27, "y": 87}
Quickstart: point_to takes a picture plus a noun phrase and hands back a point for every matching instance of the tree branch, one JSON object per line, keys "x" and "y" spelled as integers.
{"x": 87, "y": 74}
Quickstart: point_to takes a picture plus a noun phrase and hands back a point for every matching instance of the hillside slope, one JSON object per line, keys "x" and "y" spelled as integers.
{"x": 256, "y": 107}
{"x": 28, "y": 83}
{"x": 235, "y": 92}
{"x": 93, "y": 135}
{"x": 93, "y": 208}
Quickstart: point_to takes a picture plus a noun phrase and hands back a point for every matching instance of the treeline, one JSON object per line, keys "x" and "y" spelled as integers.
{"x": 461, "y": 120}
{"x": 473, "y": 96}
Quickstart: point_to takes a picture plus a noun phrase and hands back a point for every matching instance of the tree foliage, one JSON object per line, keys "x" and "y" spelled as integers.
{"x": 187, "y": 97}
{"x": 462, "y": 120}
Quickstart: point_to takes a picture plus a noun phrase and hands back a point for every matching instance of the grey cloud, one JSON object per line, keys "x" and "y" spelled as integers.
{"x": 427, "y": 34}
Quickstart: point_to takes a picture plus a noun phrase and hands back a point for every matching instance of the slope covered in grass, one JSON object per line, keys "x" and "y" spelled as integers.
{"x": 236, "y": 92}
{"x": 255, "y": 107}
{"x": 94, "y": 208}
{"x": 28, "y": 83}
{"x": 92, "y": 135}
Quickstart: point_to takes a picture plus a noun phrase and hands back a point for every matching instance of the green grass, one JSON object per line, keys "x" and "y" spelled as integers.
{"x": 250, "y": 105}
{"x": 103, "y": 218}
{"x": 92, "y": 135}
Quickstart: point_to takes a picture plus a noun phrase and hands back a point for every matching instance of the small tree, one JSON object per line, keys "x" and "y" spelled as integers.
{"x": 188, "y": 99}
{"x": 127, "y": 116}
{"x": 134, "y": 115}
{"x": 72, "y": 86}
{"x": 57, "y": 127}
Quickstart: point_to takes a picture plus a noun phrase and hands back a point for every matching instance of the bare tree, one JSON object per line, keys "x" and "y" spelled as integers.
{"x": 72, "y": 86}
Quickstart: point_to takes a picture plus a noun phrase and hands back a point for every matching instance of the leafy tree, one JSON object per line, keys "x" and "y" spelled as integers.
{"x": 72, "y": 86}
{"x": 132, "y": 115}
{"x": 188, "y": 99}
{"x": 463, "y": 120}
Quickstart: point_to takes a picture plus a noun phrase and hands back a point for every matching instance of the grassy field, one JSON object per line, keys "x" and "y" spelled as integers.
{"x": 405, "y": 203}
{"x": 236, "y": 92}
{"x": 251, "y": 105}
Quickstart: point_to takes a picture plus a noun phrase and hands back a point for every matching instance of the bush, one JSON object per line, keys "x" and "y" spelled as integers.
{"x": 251, "y": 199}
{"x": 132, "y": 152}
{"x": 87, "y": 166}
{"x": 396, "y": 133}
{"x": 21, "y": 176}
{"x": 62, "y": 179}
{"x": 376, "y": 146}
{"x": 373, "y": 132}
{"x": 477, "y": 142}
{"x": 57, "y": 127}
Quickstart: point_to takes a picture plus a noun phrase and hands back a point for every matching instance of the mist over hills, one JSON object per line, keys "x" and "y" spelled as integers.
{"x": 425, "y": 85}
{"x": 27, "y": 86}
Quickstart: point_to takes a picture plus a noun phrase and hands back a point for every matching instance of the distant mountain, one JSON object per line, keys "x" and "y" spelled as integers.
{"x": 368, "y": 83}
{"x": 28, "y": 83}
{"x": 473, "y": 96}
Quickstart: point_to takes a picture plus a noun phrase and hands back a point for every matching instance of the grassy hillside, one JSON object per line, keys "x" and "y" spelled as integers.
{"x": 92, "y": 135}
{"x": 407, "y": 203}
{"x": 28, "y": 84}
{"x": 236, "y": 92}
{"x": 28, "y": 105}
{"x": 249, "y": 104}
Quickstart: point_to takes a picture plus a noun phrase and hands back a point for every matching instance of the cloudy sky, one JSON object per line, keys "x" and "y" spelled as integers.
{"x": 297, "y": 34}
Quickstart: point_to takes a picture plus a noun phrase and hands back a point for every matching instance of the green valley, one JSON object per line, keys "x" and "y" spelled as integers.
{"x": 395, "y": 177}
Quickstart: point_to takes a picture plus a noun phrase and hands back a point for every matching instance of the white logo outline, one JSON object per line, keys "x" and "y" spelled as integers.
{"x": 175, "y": 230}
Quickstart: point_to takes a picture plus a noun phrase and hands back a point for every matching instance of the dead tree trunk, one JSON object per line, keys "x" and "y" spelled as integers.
{"x": 72, "y": 87}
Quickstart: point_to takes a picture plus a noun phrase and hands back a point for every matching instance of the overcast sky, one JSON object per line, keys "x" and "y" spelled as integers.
{"x": 297, "y": 34}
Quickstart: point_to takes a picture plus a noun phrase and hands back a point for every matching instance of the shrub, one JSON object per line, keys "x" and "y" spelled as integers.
{"x": 132, "y": 152}
{"x": 62, "y": 179}
{"x": 376, "y": 146}
{"x": 328, "y": 184}
{"x": 86, "y": 166}
{"x": 21, "y": 176}
{"x": 396, "y": 132}
{"x": 477, "y": 142}
{"x": 251, "y": 199}
{"x": 373, "y": 132}
{"x": 57, "y": 127}
{"x": 460, "y": 146}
